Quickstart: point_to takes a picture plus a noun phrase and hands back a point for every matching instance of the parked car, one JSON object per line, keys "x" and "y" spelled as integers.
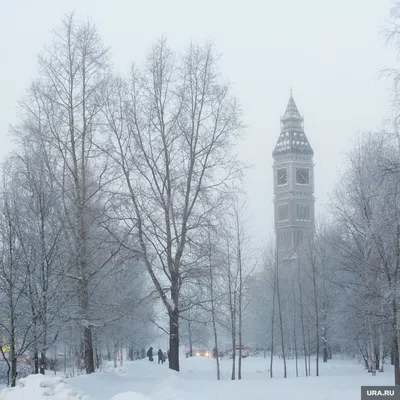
{"x": 245, "y": 351}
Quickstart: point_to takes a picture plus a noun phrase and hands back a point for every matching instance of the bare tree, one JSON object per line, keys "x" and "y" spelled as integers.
{"x": 40, "y": 233}
{"x": 171, "y": 134}
{"x": 13, "y": 280}
{"x": 73, "y": 72}
{"x": 366, "y": 206}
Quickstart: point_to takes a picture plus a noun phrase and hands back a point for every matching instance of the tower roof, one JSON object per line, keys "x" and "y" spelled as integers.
{"x": 292, "y": 138}
{"x": 291, "y": 109}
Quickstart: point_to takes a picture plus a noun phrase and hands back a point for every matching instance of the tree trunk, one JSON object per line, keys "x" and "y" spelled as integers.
{"x": 280, "y": 321}
{"x": 392, "y": 355}
{"x": 55, "y": 359}
{"x": 214, "y": 323}
{"x": 272, "y": 327}
{"x": 36, "y": 361}
{"x": 381, "y": 346}
{"x": 324, "y": 314}
{"x": 324, "y": 334}
{"x": 325, "y": 328}
{"x": 98, "y": 358}
{"x": 233, "y": 373}
{"x": 13, "y": 339}
{"x": 395, "y": 343}
{"x": 87, "y": 330}
{"x": 239, "y": 244}
{"x": 65, "y": 360}
{"x": 8, "y": 365}
{"x": 89, "y": 356}
{"x": 371, "y": 349}
{"x": 325, "y": 351}
{"x": 316, "y": 316}
{"x": 309, "y": 349}
{"x": 43, "y": 362}
{"x": 13, "y": 372}
{"x": 240, "y": 309}
{"x": 240, "y": 355}
{"x": 13, "y": 355}
{"x": 294, "y": 330}
{"x": 232, "y": 310}
{"x": 233, "y": 332}
{"x": 302, "y": 319}
{"x": 174, "y": 340}
{"x": 216, "y": 343}
{"x": 190, "y": 335}
{"x": 364, "y": 356}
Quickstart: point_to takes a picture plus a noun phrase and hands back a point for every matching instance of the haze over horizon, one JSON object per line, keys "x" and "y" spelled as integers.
{"x": 330, "y": 55}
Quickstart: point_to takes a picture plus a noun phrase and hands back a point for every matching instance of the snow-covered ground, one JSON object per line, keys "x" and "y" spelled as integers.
{"x": 39, "y": 387}
{"x": 143, "y": 380}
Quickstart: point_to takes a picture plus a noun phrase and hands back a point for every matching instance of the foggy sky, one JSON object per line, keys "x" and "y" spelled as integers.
{"x": 330, "y": 53}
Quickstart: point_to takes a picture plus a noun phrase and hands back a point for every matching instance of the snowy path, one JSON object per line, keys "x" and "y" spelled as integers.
{"x": 196, "y": 381}
{"x": 103, "y": 386}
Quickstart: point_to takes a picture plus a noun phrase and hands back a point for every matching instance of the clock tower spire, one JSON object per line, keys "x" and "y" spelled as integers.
{"x": 293, "y": 170}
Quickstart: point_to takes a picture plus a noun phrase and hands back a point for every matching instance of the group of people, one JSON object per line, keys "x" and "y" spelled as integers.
{"x": 162, "y": 357}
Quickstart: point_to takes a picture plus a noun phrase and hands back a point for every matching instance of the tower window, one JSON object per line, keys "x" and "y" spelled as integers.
{"x": 302, "y": 212}
{"x": 283, "y": 213}
{"x": 282, "y": 176}
{"x": 302, "y": 176}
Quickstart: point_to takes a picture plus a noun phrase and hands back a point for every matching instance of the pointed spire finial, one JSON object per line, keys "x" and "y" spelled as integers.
{"x": 291, "y": 109}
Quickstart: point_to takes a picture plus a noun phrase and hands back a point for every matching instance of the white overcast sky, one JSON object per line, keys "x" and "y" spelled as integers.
{"x": 329, "y": 52}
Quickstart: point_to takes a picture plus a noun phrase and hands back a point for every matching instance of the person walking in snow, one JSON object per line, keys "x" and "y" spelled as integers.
{"x": 160, "y": 356}
{"x": 165, "y": 356}
{"x": 150, "y": 354}
{"x": 215, "y": 353}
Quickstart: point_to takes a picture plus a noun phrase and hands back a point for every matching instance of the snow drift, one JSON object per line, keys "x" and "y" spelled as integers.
{"x": 40, "y": 387}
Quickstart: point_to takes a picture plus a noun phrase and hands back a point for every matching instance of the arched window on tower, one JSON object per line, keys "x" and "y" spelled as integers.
{"x": 302, "y": 212}
{"x": 283, "y": 213}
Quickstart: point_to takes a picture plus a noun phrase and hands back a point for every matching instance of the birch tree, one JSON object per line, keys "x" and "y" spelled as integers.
{"x": 369, "y": 216}
{"x": 213, "y": 299}
{"x": 15, "y": 321}
{"x": 68, "y": 97}
{"x": 40, "y": 233}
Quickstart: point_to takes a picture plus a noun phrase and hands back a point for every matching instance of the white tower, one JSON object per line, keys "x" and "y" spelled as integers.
{"x": 293, "y": 185}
